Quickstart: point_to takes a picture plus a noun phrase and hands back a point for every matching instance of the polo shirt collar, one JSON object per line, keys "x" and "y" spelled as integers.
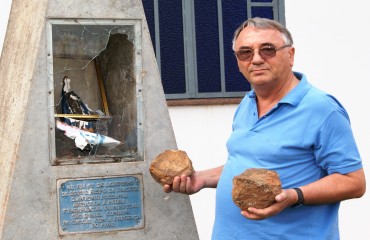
{"x": 295, "y": 96}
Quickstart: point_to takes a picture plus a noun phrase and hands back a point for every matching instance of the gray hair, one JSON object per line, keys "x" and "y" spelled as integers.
{"x": 264, "y": 23}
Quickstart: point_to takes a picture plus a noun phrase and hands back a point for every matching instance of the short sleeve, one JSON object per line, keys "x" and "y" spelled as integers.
{"x": 335, "y": 148}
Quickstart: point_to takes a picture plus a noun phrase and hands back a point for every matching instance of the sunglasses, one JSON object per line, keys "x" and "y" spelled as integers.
{"x": 265, "y": 53}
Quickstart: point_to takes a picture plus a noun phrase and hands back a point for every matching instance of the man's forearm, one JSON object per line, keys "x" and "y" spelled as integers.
{"x": 335, "y": 187}
{"x": 211, "y": 176}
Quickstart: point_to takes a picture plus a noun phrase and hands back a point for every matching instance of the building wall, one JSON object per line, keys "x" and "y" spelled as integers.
{"x": 202, "y": 132}
{"x": 331, "y": 41}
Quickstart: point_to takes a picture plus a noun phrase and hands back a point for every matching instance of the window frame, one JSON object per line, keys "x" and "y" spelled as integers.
{"x": 190, "y": 48}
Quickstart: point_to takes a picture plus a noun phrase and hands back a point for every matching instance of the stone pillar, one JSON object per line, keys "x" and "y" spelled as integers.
{"x": 20, "y": 50}
{"x": 49, "y": 188}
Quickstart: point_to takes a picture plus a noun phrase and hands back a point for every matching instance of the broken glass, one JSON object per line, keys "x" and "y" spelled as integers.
{"x": 95, "y": 69}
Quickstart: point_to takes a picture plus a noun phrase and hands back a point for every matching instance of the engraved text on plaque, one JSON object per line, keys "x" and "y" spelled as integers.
{"x": 100, "y": 204}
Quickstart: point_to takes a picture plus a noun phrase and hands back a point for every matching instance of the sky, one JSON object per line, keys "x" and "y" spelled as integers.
{"x": 4, "y": 15}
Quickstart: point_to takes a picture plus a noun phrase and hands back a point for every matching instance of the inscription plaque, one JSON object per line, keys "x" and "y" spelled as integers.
{"x": 100, "y": 204}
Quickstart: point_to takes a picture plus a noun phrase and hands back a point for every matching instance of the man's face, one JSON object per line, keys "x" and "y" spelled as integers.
{"x": 259, "y": 71}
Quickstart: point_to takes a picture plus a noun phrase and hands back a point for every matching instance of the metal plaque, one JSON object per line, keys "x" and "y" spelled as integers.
{"x": 100, "y": 204}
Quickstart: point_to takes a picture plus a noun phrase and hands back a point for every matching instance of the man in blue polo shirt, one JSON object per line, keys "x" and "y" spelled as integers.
{"x": 287, "y": 125}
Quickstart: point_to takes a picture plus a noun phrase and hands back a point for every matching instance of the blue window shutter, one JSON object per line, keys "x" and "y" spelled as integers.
{"x": 233, "y": 14}
{"x": 149, "y": 15}
{"x": 172, "y": 46}
{"x": 266, "y": 12}
{"x": 207, "y": 43}
{"x": 261, "y": 0}
{"x": 193, "y": 43}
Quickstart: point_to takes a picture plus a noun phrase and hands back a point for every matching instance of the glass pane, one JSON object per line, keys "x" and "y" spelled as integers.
{"x": 94, "y": 83}
{"x": 172, "y": 46}
{"x": 234, "y": 13}
{"x": 207, "y": 43}
{"x": 266, "y": 12}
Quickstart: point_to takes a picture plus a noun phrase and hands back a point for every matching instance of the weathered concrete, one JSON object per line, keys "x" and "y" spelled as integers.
{"x": 28, "y": 186}
{"x": 17, "y": 65}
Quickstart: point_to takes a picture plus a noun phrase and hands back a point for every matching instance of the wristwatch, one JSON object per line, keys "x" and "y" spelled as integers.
{"x": 300, "y": 200}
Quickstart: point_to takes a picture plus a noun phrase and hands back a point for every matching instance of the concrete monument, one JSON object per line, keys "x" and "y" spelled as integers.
{"x": 83, "y": 114}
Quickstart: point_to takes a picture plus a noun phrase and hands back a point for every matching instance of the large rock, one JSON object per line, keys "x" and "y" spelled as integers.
{"x": 255, "y": 187}
{"x": 169, "y": 164}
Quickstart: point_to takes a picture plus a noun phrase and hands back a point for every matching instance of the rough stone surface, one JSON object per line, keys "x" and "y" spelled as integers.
{"x": 169, "y": 164}
{"x": 255, "y": 187}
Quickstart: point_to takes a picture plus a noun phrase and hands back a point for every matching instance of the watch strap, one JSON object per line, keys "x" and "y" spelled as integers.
{"x": 300, "y": 200}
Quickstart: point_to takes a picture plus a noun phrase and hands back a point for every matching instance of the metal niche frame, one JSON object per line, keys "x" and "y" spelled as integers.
{"x": 80, "y": 45}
